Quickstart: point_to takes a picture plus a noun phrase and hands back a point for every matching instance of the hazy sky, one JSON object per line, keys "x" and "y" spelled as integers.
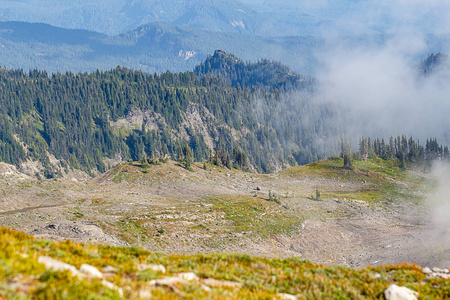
{"x": 365, "y": 16}
{"x": 399, "y": 15}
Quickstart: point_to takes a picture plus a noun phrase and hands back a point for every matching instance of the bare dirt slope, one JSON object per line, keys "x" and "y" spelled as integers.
{"x": 373, "y": 215}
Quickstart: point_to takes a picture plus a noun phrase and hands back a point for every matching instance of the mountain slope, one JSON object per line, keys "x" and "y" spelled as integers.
{"x": 83, "y": 119}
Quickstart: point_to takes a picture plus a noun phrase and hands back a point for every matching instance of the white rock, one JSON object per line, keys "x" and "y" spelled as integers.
{"x": 189, "y": 276}
{"x": 145, "y": 294}
{"x": 110, "y": 269}
{"x": 426, "y": 270}
{"x": 112, "y": 286}
{"x": 54, "y": 264}
{"x": 91, "y": 271}
{"x": 220, "y": 283}
{"x": 167, "y": 281}
{"x": 395, "y": 292}
{"x": 57, "y": 265}
{"x": 437, "y": 270}
{"x": 443, "y": 276}
{"x": 109, "y": 285}
{"x": 283, "y": 296}
{"x": 206, "y": 288}
{"x": 156, "y": 268}
{"x": 375, "y": 275}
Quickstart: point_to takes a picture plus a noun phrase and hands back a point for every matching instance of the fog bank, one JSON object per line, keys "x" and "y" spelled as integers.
{"x": 379, "y": 82}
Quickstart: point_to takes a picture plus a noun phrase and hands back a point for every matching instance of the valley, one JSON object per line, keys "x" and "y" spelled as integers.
{"x": 240, "y": 149}
{"x": 375, "y": 214}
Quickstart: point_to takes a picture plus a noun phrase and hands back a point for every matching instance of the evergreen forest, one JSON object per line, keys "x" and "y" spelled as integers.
{"x": 78, "y": 118}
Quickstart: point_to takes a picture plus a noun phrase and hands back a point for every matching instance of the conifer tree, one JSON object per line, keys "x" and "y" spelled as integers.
{"x": 188, "y": 156}
{"x": 228, "y": 161}
{"x": 180, "y": 156}
{"x": 346, "y": 153}
{"x": 391, "y": 148}
{"x": 363, "y": 149}
{"x": 371, "y": 152}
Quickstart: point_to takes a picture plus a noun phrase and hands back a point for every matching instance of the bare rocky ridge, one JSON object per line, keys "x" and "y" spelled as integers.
{"x": 168, "y": 209}
{"x": 7, "y": 170}
{"x": 30, "y": 169}
{"x": 197, "y": 118}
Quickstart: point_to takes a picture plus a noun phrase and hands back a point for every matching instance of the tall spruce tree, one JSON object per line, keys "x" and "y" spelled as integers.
{"x": 346, "y": 153}
{"x": 188, "y": 157}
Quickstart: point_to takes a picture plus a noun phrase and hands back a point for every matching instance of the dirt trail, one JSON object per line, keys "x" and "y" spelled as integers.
{"x": 28, "y": 209}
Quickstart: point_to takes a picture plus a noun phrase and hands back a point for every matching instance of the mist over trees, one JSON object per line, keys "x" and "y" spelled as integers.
{"x": 434, "y": 63}
{"x": 257, "y": 116}
{"x": 401, "y": 148}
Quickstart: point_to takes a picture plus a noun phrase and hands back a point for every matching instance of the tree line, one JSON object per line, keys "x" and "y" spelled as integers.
{"x": 402, "y": 148}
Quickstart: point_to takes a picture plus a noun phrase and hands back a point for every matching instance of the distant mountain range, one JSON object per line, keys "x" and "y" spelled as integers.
{"x": 156, "y": 35}
{"x": 250, "y": 17}
{"x": 155, "y": 47}
{"x": 116, "y": 16}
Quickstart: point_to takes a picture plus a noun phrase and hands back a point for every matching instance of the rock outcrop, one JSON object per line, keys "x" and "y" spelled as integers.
{"x": 77, "y": 231}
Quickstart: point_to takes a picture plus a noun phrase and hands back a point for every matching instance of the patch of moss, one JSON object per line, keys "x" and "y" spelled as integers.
{"x": 78, "y": 214}
{"x": 256, "y": 215}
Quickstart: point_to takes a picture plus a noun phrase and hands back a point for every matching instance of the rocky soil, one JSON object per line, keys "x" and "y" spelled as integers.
{"x": 168, "y": 209}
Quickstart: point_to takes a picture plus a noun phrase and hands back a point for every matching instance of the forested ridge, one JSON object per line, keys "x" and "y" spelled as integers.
{"x": 262, "y": 74}
{"x": 74, "y": 117}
